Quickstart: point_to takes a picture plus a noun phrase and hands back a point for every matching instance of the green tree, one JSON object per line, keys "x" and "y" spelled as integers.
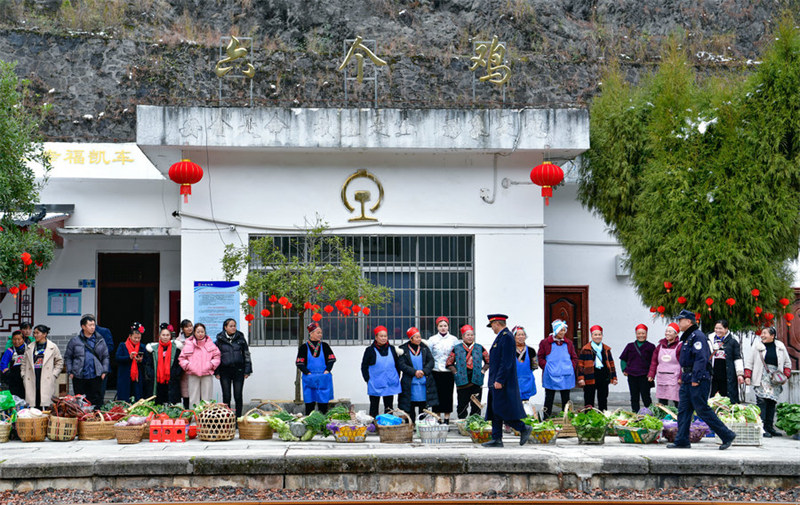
{"x": 20, "y": 145}
{"x": 321, "y": 270}
{"x": 699, "y": 180}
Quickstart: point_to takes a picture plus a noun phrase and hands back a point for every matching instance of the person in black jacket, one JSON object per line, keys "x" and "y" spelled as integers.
{"x": 234, "y": 365}
{"x": 315, "y": 361}
{"x": 381, "y": 372}
{"x": 419, "y": 389}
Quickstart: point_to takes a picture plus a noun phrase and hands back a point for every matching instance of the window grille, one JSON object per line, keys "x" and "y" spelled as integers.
{"x": 431, "y": 276}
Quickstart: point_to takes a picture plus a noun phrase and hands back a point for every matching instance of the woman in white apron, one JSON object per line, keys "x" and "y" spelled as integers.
{"x": 665, "y": 369}
{"x": 315, "y": 361}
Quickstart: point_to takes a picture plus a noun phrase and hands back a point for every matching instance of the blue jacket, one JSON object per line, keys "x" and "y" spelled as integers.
{"x": 504, "y": 402}
{"x": 695, "y": 358}
{"x": 73, "y": 357}
{"x": 106, "y": 334}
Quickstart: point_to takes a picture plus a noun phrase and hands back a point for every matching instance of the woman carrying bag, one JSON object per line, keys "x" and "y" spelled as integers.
{"x": 768, "y": 367}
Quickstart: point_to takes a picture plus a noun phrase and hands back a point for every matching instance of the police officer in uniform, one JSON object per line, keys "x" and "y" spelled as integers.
{"x": 695, "y": 360}
{"x": 504, "y": 401}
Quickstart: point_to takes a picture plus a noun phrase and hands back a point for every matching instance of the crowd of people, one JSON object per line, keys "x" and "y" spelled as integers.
{"x": 422, "y": 373}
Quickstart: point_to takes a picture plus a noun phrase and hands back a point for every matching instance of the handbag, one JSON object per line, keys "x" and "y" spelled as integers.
{"x": 777, "y": 378}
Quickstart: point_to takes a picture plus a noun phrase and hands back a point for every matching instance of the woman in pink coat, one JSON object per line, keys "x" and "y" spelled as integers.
{"x": 199, "y": 358}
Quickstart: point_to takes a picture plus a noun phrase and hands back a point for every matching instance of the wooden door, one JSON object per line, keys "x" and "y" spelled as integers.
{"x": 790, "y": 335}
{"x": 571, "y": 304}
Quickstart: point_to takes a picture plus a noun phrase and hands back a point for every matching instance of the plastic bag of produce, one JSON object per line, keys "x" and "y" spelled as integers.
{"x": 388, "y": 420}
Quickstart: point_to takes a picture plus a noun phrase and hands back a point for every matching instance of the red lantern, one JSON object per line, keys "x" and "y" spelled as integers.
{"x": 13, "y": 290}
{"x": 316, "y": 317}
{"x": 283, "y": 300}
{"x": 315, "y": 307}
{"x": 547, "y": 175}
{"x": 252, "y": 302}
{"x": 365, "y": 311}
{"x": 185, "y": 173}
{"x": 698, "y": 315}
{"x": 769, "y": 316}
{"x": 709, "y": 302}
{"x": 346, "y": 312}
{"x": 26, "y": 258}
{"x": 788, "y": 318}
{"x": 682, "y": 300}
{"x": 265, "y": 313}
{"x": 249, "y": 317}
{"x": 759, "y": 310}
{"x": 288, "y": 306}
{"x": 652, "y": 310}
{"x": 730, "y": 302}
{"x": 273, "y": 299}
{"x": 755, "y": 293}
{"x": 356, "y": 309}
{"x": 660, "y": 309}
{"x": 22, "y": 287}
{"x": 328, "y": 309}
{"x": 784, "y": 302}
{"x": 307, "y": 305}
{"x": 668, "y": 286}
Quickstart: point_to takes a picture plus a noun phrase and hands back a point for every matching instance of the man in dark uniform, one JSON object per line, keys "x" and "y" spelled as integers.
{"x": 504, "y": 401}
{"x": 695, "y": 360}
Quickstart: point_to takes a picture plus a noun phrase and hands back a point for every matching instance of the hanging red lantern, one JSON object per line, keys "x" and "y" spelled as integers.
{"x": 252, "y": 302}
{"x": 365, "y": 311}
{"x": 185, "y": 173}
{"x": 769, "y": 316}
{"x": 22, "y": 287}
{"x": 709, "y": 302}
{"x": 755, "y": 293}
{"x": 328, "y": 309}
{"x": 547, "y": 175}
{"x": 660, "y": 309}
{"x": 307, "y": 305}
{"x": 283, "y": 300}
{"x": 249, "y": 317}
{"x": 356, "y": 309}
{"x": 652, "y": 310}
{"x": 788, "y": 318}
{"x": 13, "y": 290}
{"x": 265, "y": 313}
{"x": 668, "y": 286}
{"x": 731, "y": 302}
{"x": 346, "y": 312}
{"x": 698, "y": 315}
{"x": 784, "y": 302}
{"x": 26, "y": 258}
{"x": 288, "y": 306}
{"x": 682, "y": 300}
{"x": 273, "y": 299}
{"x": 315, "y": 307}
{"x": 316, "y": 317}
{"x": 758, "y": 310}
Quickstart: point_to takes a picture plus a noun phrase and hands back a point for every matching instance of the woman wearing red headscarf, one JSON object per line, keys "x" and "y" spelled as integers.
{"x": 468, "y": 362}
{"x": 441, "y": 345}
{"x": 381, "y": 371}
{"x": 665, "y": 369}
{"x": 596, "y": 369}
{"x": 635, "y": 365}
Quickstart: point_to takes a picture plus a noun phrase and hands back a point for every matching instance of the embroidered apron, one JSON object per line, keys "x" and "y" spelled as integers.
{"x": 419, "y": 390}
{"x": 318, "y": 385}
{"x": 558, "y": 373}
{"x": 527, "y": 383}
{"x": 667, "y": 374}
{"x": 383, "y": 378}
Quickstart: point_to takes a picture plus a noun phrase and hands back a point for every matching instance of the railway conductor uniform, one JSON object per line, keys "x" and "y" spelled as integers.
{"x": 695, "y": 385}
{"x": 504, "y": 401}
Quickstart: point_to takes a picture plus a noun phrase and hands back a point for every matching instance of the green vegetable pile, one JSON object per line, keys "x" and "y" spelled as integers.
{"x": 476, "y": 422}
{"x": 281, "y": 427}
{"x": 648, "y": 423}
{"x": 144, "y": 409}
{"x": 283, "y": 416}
{"x": 204, "y": 404}
{"x": 537, "y": 425}
{"x": 740, "y": 413}
{"x": 173, "y": 411}
{"x": 588, "y": 419}
{"x": 788, "y": 418}
{"x": 315, "y": 423}
{"x": 339, "y": 413}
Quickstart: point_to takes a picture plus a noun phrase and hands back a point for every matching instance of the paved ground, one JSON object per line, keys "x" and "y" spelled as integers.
{"x": 458, "y": 465}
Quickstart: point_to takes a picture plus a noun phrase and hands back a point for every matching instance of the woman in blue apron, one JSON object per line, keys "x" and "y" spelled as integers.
{"x": 558, "y": 361}
{"x": 526, "y": 364}
{"x": 416, "y": 362}
{"x": 380, "y": 371}
{"x": 315, "y": 361}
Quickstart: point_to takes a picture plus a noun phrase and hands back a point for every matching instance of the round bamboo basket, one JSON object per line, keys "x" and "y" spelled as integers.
{"x": 32, "y": 429}
{"x": 128, "y": 434}
{"x": 96, "y": 428}
{"x": 398, "y": 434}
{"x": 217, "y": 423}
{"x": 250, "y": 430}
{"x": 62, "y": 429}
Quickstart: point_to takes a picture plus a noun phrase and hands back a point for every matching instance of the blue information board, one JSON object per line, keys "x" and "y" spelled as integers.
{"x": 64, "y": 302}
{"x": 214, "y": 302}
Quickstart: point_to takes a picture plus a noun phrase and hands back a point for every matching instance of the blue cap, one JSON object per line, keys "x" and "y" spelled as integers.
{"x": 496, "y": 317}
{"x": 686, "y": 314}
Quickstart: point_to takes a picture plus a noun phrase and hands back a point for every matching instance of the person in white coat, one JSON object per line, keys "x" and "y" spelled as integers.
{"x": 767, "y": 356}
{"x": 441, "y": 345}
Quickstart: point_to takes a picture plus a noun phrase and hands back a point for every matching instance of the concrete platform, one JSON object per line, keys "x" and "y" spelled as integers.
{"x": 457, "y": 466}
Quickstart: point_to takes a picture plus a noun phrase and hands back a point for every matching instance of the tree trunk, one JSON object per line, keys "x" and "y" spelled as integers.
{"x": 301, "y": 336}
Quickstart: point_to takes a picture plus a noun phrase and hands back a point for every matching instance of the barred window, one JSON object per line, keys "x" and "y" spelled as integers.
{"x": 431, "y": 276}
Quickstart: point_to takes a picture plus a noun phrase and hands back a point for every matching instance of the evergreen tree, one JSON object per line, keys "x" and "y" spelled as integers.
{"x": 700, "y": 181}
{"x": 20, "y": 144}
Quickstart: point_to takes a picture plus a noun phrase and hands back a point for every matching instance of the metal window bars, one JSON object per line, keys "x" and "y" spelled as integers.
{"x": 431, "y": 276}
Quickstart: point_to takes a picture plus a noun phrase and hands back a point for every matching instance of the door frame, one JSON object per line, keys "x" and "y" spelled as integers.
{"x": 583, "y": 291}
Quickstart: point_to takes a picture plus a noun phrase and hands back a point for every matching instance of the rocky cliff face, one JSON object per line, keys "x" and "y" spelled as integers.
{"x": 96, "y": 60}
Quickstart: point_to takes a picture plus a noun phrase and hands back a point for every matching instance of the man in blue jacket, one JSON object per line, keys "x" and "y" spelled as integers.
{"x": 504, "y": 400}
{"x": 695, "y": 360}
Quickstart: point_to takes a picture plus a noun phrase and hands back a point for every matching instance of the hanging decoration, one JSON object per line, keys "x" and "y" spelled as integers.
{"x": 668, "y": 286}
{"x": 273, "y": 299}
{"x": 789, "y": 316}
{"x": 769, "y": 316}
{"x": 307, "y": 305}
{"x": 365, "y": 311}
{"x": 249, "y": 318}
{"x": 328, "y": 309}
{"x": 709, "y": 302}
{"x": 265, "y": 313}
{"x": 682, "y": 300}
{"x": 13, "y": 290}
{"x": 185, "y": 173}
{"x": 547, "y": 175}
{"x": 784, "y": 302}
{"x": 316, "y": 317}
{"x": 758, "y": 310}
{"x": 252, "y": 302}
{"x": 755, "y": 293}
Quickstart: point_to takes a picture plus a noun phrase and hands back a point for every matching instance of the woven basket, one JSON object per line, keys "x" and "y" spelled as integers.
{"x": 5, "y": 432}
{"x": 398, "y": 434}
{"x": 96, "y": 428}
{"x": 128, "y": 434}
{"x": 461, "y": 424}
{"x": 480, "y": 437}
{"x": 436, "y": 434}
{"x": 217, "y": 423}
{"x": 567, "y": 430}
{"x": 62, "y": 429}
{"x": 544, "y": 437}
{"x": 32, "y": 429}
{"x": 637, "y": 435}
{"x": 351, "y": 433}
{"x": 249, "y": 430}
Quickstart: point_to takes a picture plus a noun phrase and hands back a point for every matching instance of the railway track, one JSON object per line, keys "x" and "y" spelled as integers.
{"x": 465, "y": 501}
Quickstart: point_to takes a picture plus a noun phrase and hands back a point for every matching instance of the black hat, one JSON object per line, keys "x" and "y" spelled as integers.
{"x": 686, "y": 314}
{"x": 496, "y": 317}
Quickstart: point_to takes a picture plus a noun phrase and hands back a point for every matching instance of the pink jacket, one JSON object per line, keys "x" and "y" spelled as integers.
{"x": 199, "y": 358}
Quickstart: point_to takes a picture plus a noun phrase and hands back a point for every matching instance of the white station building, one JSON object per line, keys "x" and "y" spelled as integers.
{"x": 456, "y": 227}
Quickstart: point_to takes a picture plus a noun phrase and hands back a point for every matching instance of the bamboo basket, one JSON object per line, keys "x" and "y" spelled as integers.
{"x": 32, "y": 429}
{"x": 5, "y": 432}
{"x": 398, "y": 434}
{"x": 249, "y": 430}
{"x": 96, "y": 428}
{"x": 62, "y": 429}
{"x": 436, "y": 434}
{"x": 217, "y": 423}
{"x": 567, "y": 430}
{"x": 128, "y": 434}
